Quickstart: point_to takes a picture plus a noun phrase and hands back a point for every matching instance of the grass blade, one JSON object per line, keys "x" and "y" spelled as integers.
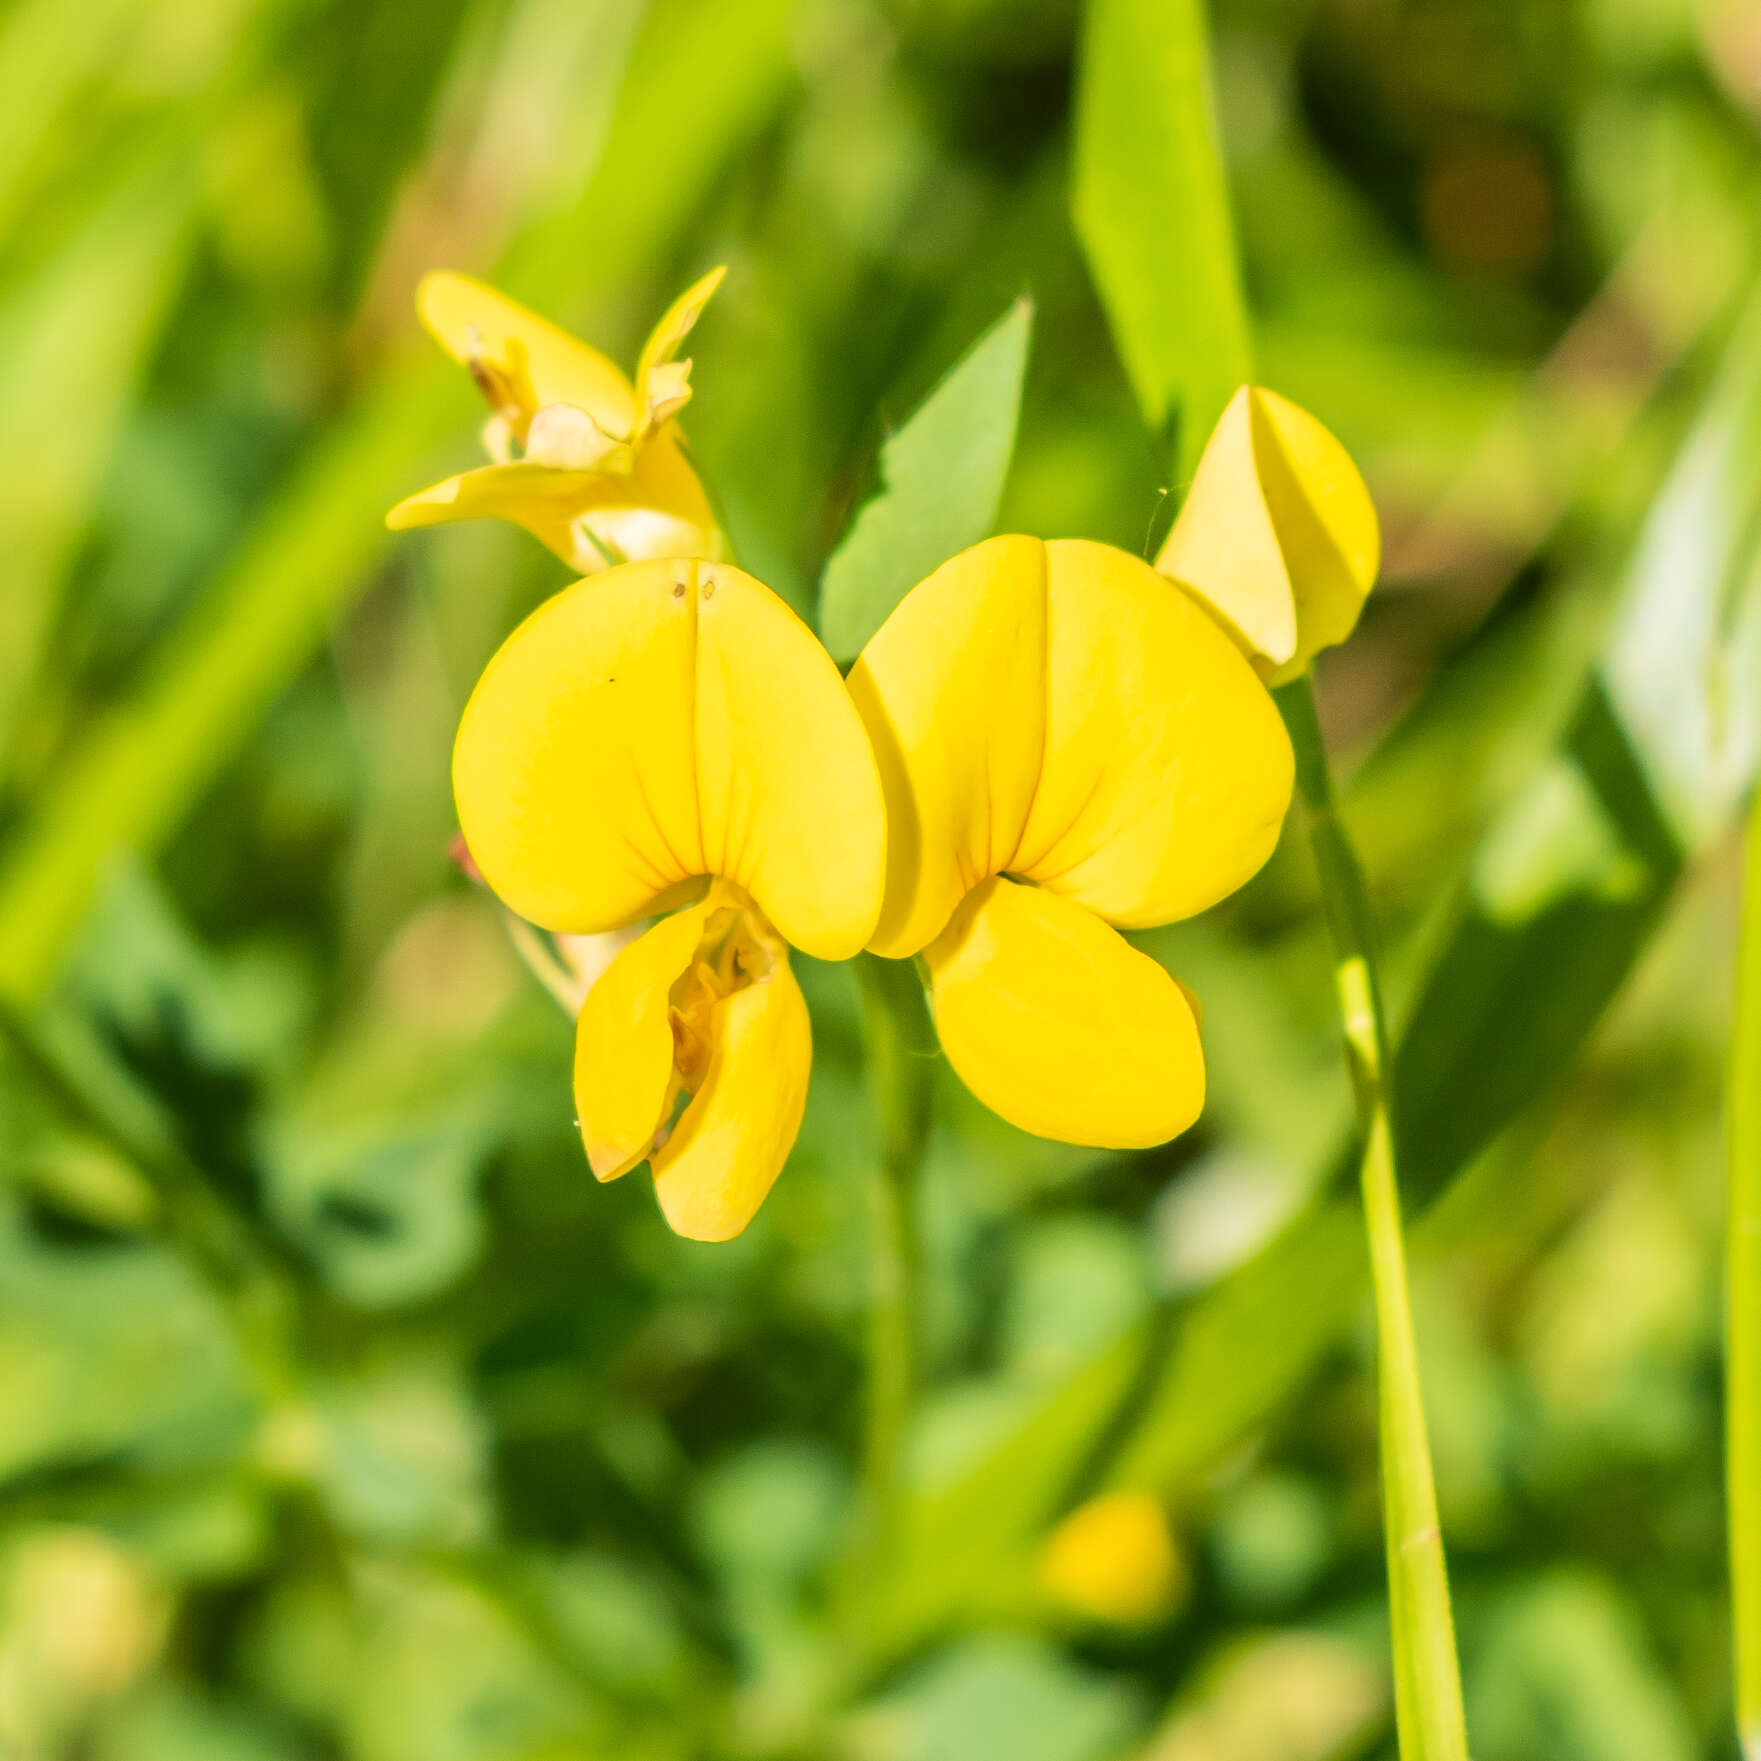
{"x": 1152, "y": 210}
{"x": 74, "y": 338}
{"x": 1742, "y": 1361}
{"x": 1427, "y": 1678}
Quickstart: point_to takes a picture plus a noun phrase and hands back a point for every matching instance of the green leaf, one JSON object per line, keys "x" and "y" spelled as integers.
{"x": 1152, "y": 210}
{"x": 1006, "y": 1694}
{"x": 943, "y": 473}
{"x": 959, "y": 1541}
{"x": 109, "y": 1352}
{"x": 44, "y": 67}
{"x": 1568, "y": 1669}
{"x": 1571, "y": 880}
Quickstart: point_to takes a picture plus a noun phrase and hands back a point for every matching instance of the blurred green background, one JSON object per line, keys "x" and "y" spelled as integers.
{"x": 341, "y": 1414}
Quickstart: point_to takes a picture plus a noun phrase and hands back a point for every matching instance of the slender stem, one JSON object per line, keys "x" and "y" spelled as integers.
{"x": 1742, "y": 1358}
{"x": 900, "y": 1062}
{"x": 542, "y": 961}
{"x": 1427, "y": 1678}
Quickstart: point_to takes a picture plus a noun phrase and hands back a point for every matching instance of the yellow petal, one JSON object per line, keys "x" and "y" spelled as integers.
{"x": 1167, "y": 770}
{"x": 731, "y": 1142}
{"x": 661, "y": 394}
{"x": 574, "y": 770}
{"x": 665, "y": 721}
{"x": 1278, "y": 535}
{"x": 1325, "y": 521}
{"x": 668, "y": 390}
{"x": 952, "y": 688}
{"x": 789, "y": 797}
{"x": 658, "y": 510}
{"x": 624, "y": 1045}
{"x": 540, "y": 498}
{"x": 470, "y": 320}
{"x": 1056, "y": 1022}
{"x": 1223, "y": 545}
{"x": 567, "y": 437}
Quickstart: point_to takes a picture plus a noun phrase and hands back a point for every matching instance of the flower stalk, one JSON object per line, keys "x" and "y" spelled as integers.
{"x": 901, "y": 1049}
{"x": 1427, "y": 1677}
{"x": 1742, "y": 1357}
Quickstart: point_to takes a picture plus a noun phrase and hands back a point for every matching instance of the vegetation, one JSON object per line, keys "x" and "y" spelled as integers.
{"x": 344, "y": 1414}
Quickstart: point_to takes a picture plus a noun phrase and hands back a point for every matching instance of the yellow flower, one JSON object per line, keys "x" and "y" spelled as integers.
{"x": 1067, "y": 742}
{"x": 1278, "y": 535}
{"x": 671, "y": 738}
{"x": 588, "y": 463}
{"x": 1114, "y": 1559}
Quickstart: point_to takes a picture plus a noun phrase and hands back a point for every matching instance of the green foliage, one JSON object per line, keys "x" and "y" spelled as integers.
{"x": 943, "y": 480}
{"x": 1153, "y": 212}
{"x": 1479, "y": 1028}
{"x": 341, "y": 1412}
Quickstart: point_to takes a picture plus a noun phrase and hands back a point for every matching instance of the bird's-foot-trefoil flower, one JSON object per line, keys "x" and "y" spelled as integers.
{"x": 1069, "y": 745}
{"x": 587, "y": 462}
{"x": 668, "y": 740}
{"x": 1278, "y": 534}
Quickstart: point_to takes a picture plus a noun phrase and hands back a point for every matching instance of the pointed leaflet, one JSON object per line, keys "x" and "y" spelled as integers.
{"x": 943, "y": 474}
{"x": 1152, "y": 211}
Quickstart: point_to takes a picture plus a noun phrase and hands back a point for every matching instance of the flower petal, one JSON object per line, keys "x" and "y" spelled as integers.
{"x": 660, "y": 394}
{"x": 658, "y": 510}
{"x": 1325, "y": 522}
{"x": 574, "y": 770}
{"x": 1278, "y": 535}
{"x": 1056, "y": 1022}
{"x": 471, "y": 321}
{"x": 1167, "y": 770}
{"x": 788, "y": 794}
{"x": 1223, "y": 545}
{"x": 567, "y": 437}
{"x": 731, "y": 1142}
{"x": 665, "y": 721}
{"x": 541, "y": 498}
{"x": 952, "y": 688}
{"x": 624, "y": 1045}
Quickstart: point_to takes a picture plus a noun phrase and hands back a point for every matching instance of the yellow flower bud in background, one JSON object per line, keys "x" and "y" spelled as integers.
{"x": 1115, "y": 1560}
{"x": 1277, "y": 536}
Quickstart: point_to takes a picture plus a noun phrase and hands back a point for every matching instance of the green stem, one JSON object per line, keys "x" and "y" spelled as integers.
{"x": 900, "y": 1063}
{"x": 1742, "y": 1358}
{"x": 1427, "y": 1678}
